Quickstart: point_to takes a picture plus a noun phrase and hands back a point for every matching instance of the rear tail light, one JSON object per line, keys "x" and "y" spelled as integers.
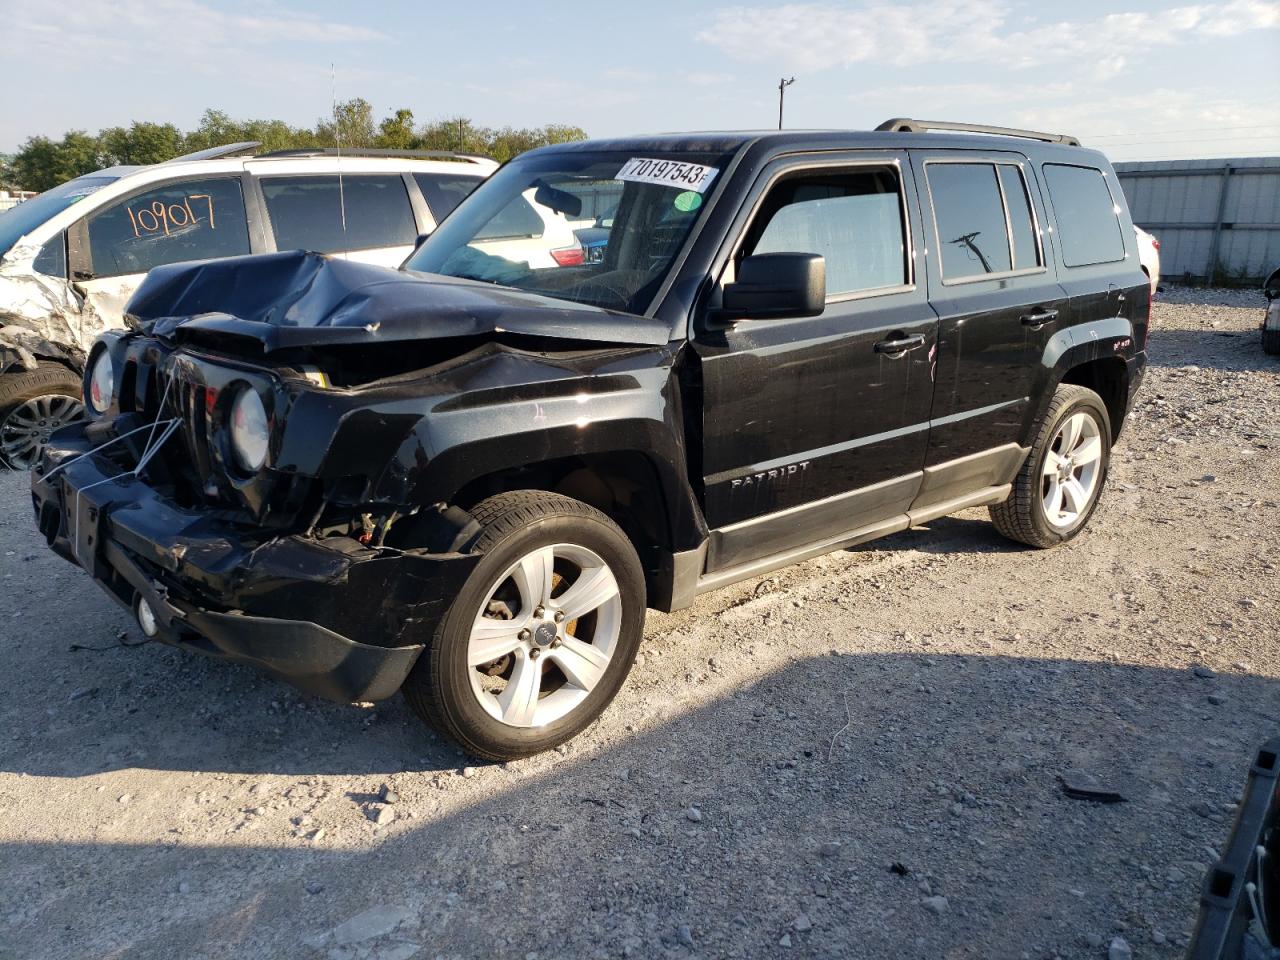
{"x": 1155, "y": 243}
{"x": 569, "y": 257}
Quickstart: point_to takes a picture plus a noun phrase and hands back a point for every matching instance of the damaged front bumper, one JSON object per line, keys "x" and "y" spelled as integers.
{"x": 332, "y": 617}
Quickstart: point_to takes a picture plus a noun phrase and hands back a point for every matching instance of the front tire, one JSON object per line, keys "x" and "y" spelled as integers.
{"x": 33, "y": 404}
{"x": 1057, "y": 489}
{"x": 541, "y": 636}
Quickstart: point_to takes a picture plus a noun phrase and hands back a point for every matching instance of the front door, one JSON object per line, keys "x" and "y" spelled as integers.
{"x": 817, "y": 426}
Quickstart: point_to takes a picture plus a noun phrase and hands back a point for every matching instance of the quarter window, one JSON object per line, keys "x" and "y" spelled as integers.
{"x": 193, "y": 220}
{"x": 1026, "y": 251}
{"x": 52, "y": 258}
{"x": 444, "y": 191}
{"x": 967, "y": 208}
{"x": 1088, "y": 218}
{"x": 852, "y": 218}
{"x": 328, "y": 214}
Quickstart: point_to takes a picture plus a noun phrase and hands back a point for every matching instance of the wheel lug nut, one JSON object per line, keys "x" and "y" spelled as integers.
{"x": 524, "y": 635}
{"x": 559, "y": 616}
{"x": 555, "y": 643}
{"x": 535, "y": 653}
{"x": 540, "y": 612}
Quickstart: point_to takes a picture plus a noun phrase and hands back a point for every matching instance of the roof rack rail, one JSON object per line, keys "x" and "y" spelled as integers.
{"x": 377, "y": 152}
{"x": 245, "y": 148}
{"x": 907, "y": 125}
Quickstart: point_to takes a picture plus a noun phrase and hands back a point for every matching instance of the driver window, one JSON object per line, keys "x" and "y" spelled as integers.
{"x": 192, "y": 220}
{"x": 852, "y": 218}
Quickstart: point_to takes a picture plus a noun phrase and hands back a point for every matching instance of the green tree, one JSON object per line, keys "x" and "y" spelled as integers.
{"x": 454, "y": 133}
{"x": 8, "y": 179}
{"x": 351, "y": 125}
{"x": 42, "y": 163}
{"x": 215, "y": 129}
{"x": 396, "y": 132}
{"x": 142, "y": 143}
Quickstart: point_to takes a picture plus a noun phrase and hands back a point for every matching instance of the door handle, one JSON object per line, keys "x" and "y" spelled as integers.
{"x": 1038, "y": 319}
{"x": 901, "y": 345}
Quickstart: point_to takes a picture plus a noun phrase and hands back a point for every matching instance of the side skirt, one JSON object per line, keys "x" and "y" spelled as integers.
{"x": 977, "y": 480}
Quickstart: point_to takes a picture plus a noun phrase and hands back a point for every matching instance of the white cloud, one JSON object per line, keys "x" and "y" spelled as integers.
{"x": 817, "y": 35}
{"x": 145, "y": 32}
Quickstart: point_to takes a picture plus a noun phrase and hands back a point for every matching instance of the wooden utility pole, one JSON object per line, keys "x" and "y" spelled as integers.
{"x": 783, "y": 83}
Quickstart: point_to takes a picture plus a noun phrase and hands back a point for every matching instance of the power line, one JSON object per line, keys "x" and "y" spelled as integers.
{"x": 1143, "y": 133}
{"x": 1174, "y": 143}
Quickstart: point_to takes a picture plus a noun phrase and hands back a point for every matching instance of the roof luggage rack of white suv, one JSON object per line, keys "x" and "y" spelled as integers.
{"x": 907, "y": 125}
{"x": 376, "y": 152}
{"x": 246, "y": 148}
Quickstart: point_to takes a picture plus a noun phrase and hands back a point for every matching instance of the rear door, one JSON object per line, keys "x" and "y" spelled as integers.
{"x": 816, "y": 426}
{"x": 998, "y": 302}
{"x": 366, "y": 217}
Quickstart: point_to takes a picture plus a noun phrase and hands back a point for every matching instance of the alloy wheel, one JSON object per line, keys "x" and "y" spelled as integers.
{"x": 1072, "y": 468}
{"x": 27, "y": 427}
{"x": 545, "y": 635}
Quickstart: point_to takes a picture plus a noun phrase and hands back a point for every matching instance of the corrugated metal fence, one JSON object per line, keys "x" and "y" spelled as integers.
{"x": 1216, "y": 220}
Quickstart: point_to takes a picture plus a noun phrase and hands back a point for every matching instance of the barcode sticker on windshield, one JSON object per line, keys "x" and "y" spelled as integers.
{"x": 668, "y": 173}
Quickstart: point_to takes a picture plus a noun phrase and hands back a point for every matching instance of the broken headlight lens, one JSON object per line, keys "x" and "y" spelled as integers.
{"x": 102, "y": 383}
{"x": 250, "y": 430}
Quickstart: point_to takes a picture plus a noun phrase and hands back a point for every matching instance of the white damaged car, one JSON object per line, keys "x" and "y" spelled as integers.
{"x": 71, "y": 257}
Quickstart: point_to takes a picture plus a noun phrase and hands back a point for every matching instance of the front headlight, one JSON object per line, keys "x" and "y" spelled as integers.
{"x": 249, "y": 430}
{"x": 102, "y": 384}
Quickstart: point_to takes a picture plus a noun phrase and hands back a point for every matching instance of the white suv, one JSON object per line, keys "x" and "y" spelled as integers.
{"x": 71, "y": 257}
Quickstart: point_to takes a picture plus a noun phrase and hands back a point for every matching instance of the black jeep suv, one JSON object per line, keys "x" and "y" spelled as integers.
{"x": 468, "y": 478}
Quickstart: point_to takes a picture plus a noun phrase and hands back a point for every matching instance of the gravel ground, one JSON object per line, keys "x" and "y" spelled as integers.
{"x": 857, "y": 757}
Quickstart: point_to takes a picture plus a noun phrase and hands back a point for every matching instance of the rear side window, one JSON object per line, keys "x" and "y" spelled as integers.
{"x": 853, "y": 219}
{"x": 192, "y": 220}
{"x": 320, "y": 214}
{"x": 1088, "y": 218}
{"x": 969, "y": 212}
{"x": 444, "y": 191}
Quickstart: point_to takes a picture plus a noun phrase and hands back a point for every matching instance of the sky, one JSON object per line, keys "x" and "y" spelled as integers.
{"x": 1138, "y": 79}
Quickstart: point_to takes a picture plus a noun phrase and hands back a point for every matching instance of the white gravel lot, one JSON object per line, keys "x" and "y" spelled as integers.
{"x": 856, "y": 757}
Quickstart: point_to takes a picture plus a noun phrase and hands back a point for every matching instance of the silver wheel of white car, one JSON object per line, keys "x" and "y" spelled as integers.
{"x": 1071, "y": 470}
{"x": 541, "y": 635}
{"x": 33, "y": 404}
{"x": 544, "y": 636}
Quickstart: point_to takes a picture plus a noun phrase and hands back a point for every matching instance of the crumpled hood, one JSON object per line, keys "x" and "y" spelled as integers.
{"x": 295, "y": 299}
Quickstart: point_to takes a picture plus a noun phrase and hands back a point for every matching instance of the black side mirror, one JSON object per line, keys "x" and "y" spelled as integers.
{"x": 777, "y": 285}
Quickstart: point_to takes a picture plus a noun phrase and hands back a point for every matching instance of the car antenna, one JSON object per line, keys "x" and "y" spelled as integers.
{"x": 337, "y": 137}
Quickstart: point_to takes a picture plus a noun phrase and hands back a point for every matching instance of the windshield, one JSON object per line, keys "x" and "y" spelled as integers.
{"x": 523, "y": 227}
{"x": 17, "y": 222}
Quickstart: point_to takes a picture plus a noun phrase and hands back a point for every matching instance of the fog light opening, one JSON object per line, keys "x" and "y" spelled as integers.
{"x": 147, "y": 619}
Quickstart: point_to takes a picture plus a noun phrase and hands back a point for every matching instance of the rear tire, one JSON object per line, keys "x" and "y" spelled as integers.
{"x": 541, "y": 636}
{"x": 34, "y": 403}
{"x": 1058, "y": 487}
